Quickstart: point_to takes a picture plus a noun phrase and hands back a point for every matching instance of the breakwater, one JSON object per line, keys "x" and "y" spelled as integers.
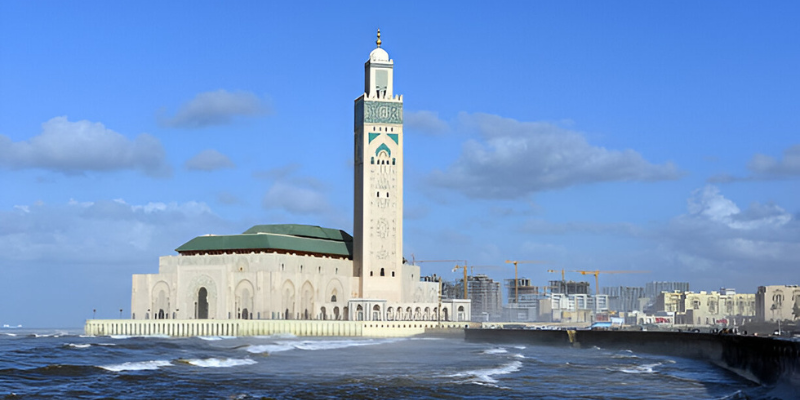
{"x": 761, "y": 359}
{"x": 205, "y": 327}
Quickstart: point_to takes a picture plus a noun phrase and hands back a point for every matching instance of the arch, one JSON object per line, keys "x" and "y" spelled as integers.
{"x": 288, "y": 299}
{"x": 376, "y": 313}
{"x": 359, "y": 313}
{"x": 202, "y": 304}
{"x": 244, "y": 298}
{"x": 389, "y": 314}
{"x": 336, "y": 313}
{"x": 307, "y": 300}
{"x": 409, "y": 314}
{"x": 426, "y": 314}
{"x": 346, "y": 313}
{"x": 160, "y": 300}
{"x": 383, "y": 147}
{"x": 333, "y": 290}
{"x": 324, "y": 313}
{"x": 245, "y": 314}
{"x": 444, "y": 314}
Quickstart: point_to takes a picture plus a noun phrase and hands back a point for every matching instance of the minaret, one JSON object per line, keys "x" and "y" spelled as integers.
{"x": 378, "y": 211}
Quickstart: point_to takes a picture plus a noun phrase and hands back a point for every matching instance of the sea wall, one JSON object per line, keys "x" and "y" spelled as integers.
{"x": 761, "y": 359}
{"x": 197, "y": 327}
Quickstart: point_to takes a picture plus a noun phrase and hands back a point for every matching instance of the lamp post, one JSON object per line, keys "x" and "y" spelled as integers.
{"x": 94, "y": 313}
{"x": 120, "y": 313}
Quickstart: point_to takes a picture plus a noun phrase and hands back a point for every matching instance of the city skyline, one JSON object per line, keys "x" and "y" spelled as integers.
{"x": 659, "y": 137}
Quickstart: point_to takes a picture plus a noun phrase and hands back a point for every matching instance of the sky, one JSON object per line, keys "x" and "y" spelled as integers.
{"x": 641, "y": 136}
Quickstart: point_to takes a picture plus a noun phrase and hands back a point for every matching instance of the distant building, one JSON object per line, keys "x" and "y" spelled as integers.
{"x": 486, "y": 296}
{"x": 624, "y": 298}
{"x": 569, "y": 287}
{"x": 778, "y": 303}
{"x": 708, "y": 308}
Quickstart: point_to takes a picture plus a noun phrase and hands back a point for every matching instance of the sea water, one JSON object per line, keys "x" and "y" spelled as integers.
{"x": 67, "y": 365}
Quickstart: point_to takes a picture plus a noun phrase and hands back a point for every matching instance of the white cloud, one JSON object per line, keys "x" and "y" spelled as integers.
{"x": 716, "y": 235}
{"x": 296, "y": 199}
{"x": 76, "y": 147}
{"x": 104, "y": 232}
{"x": 514, "y": 159}
{"x": 764, "y": 167}
{"x": 767, "y": 166}
{"x": 209, "y": 160}
{"x": 426, "y": 122}
{"x": 216, "y": 108}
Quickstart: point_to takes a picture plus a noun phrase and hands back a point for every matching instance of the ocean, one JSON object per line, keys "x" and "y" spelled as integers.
{"x": 58, "y": 364}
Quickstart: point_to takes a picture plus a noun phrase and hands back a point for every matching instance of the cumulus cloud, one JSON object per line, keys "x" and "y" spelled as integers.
{"x": 216, "y": 108}
{"x": 77, "y": 147}
{"x": 209, "y": 160}
{"x": 513, "y": 159}
{"x": 762, "y": 240}
{"x": 104, "y": 232}
{"x": 764, "y": 167}
{"x": 426, "y": 122}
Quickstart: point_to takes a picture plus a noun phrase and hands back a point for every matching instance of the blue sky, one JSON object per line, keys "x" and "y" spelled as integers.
{"x": 612, "y": 136}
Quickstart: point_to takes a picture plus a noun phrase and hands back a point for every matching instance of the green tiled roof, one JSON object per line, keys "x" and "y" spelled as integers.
{"x": 300, "y": 238}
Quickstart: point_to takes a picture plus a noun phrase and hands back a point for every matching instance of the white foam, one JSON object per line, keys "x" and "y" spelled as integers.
{"x": 120, "y": 337}
{"x": 220, "y": 362}
{"x": 484, "y": 376}
{"x": 519, "y": 347}
{"x": 641, "y": 369}
{"x": 277, "y": 336}
{"x": 213, "y": 338}
{"x": 136, "y": 366}
{"x": 268, "y": 348}
{"x": 79, "y": 345}
{"x": 517, "y": 355}
{"x": 312, "y": 345}
{"x": 496, "y": 350}
{"x": 11, "y": 334}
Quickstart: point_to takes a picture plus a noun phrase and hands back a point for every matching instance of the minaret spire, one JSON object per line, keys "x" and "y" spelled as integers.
{"x": 378, "y": 42}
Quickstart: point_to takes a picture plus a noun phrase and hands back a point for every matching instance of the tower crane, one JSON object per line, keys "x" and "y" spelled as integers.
{"x": 516, "y": 278}
{"x": 464, "y": 267}
{"x": 596, "y": 274}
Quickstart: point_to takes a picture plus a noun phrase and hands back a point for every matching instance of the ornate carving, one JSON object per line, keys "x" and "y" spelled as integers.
{"x": 383, "y": 112}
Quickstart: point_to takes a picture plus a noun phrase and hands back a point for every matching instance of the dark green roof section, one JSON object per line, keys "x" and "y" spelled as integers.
{"x": 309, "y": 231}
{"x": 298, "y": 238}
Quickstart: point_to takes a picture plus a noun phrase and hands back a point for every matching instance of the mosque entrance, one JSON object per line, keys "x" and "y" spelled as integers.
{"x": 160, "y": 314}
{"x": 245, "y": 314}
{"x": 202, "y": 303}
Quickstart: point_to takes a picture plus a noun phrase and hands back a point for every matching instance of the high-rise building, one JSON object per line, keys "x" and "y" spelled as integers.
{"x": 624, "y": 298}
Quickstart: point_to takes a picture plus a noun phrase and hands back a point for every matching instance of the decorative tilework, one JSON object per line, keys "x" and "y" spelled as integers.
{"x": 383, "y": 112}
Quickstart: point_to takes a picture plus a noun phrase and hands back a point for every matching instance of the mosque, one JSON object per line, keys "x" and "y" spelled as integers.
{"x": 302, "y": 272}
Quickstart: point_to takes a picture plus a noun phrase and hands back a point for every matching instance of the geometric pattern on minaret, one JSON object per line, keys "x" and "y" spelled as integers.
{"x": 378, "y": 185}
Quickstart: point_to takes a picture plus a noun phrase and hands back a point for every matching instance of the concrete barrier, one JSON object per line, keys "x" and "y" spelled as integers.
{"x": 200, "y": 327}
{"x": 761, "y": 359}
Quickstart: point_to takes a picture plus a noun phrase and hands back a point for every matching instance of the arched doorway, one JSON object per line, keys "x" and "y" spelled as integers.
{"x": 461, "y": 316}
{"x": 444, "y": 311}
{"x": 161, "y": 314}
{"x": 376, "y": 313}
{"x": 202, "y": 303}
{"x": 336, "y": 313}
{"x": 359, "y": 313}
{"x": 324, "y": 313}
{"x": 245, "y": 314}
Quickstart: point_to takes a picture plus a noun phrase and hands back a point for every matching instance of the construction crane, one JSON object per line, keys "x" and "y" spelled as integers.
{"x": 516, "y": 278}
{"x": 464, "y": 267}
{"x": 596, "y": 274}
{"x": 555, "y": 270}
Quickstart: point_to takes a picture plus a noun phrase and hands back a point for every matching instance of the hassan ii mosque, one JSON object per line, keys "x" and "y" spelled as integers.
{"x": 302, "y": 272}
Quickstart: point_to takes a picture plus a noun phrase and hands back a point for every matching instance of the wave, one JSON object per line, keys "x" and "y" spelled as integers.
{"x": 78, "y": 345}
{"x": 496, "y": 350}
{"x": 136, "y": 366}
{"x": 268, "y": 348}
{"x": 517, "y": 355}
{"x": 313, "y": 345}
{"x": 519, "y": 347}
{"x": 485, "y": 376}
{"x": 139, "y": 336}
{"x": 277, "y": 336}
{"x": 214, "y": 338}
{"x": 219, "y": 362}
{"x": 640, "y": 369}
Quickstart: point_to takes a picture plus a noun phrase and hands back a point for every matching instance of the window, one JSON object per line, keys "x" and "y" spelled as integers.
{"x": 382, "y": 272}
{"x": 372, "y": 160}
{"x": 392, "y": 274}
{"x": 370, "y": 273}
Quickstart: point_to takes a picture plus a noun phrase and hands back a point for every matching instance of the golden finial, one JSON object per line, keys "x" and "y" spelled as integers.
{"x": 378, "y": 42}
